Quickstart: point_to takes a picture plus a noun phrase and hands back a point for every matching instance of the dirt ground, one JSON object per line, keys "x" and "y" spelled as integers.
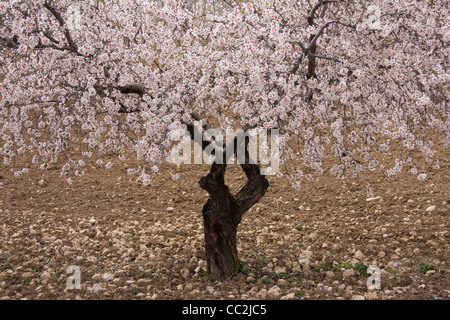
{"x": 146, "y": 242}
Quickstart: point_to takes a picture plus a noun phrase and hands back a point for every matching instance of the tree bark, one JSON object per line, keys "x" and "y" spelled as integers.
{"x": 222, "y": 214}
{"x": 223, "y": 211}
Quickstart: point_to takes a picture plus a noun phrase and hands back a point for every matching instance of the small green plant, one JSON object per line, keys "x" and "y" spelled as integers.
{"x": 207, "y": 275}
{"x": 267, "y": 279}
{"x": 359, "y": 266}
{"x": 242, "y": 268}
{"x": 299, "y": 293}
{"x": 327, "y": 264}
{"x": 293, "y": 278}
{"x": 281, "y": 275}
{"x": 134, "y": 291}
{"x": 425, "y": 267}
{"x": 362, "y": 268}
{"x": 343, "y": 265}
{"x": 298, "y": 227}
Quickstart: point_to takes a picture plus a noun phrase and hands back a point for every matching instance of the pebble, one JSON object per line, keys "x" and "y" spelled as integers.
{"x": 329, "y": 274}
{"x": 170, "y": 209}
{"x": 304, "y": 263}
{"x": 359, "y": 255}
{"x": 371, "y": 295}
{"x": 96, "y": 276}
{"x": 97, "y": 287}
{"x": 358, "y": 297}
{"x": 262, "y": 294}
{"x": 289, "y": 296}
{"x": 279, "y": 270}
{"x": 348, "y": 273}
{"x": 282, "y": 282}
{"x": 430, "y": 209}
{"x": 313, "y": 236}
{"x": 274, "y": 292}
{"x": 108, "y": 277}
{"x": 184, "y": 273}
{"x": 45, "y": 275}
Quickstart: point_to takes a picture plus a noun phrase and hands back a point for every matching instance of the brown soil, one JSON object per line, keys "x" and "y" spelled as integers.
{"x": 137, "y": 242}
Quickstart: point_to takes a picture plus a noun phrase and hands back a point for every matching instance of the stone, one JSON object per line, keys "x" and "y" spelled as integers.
{"x": 108, "y": 277}
{"x": 262, "y": 294}
{"x": 348, "y": 273}
{"x": 371, "y": 295}
{"x": 359, "y": 255}
{"x": 97, "y": 288}
{"x": 282, "y": 282}
{"x": 279, "y": 270}
{"x": 289, "y": 296}
{"x": 430, "y": 209}
{"x": 96, "y": 276}
{"x": 304, "y": 263}
{"x": 274, "y": 292}
{"x": 45, "y": 275}
{"x": 170, "y": 209}
{"x": 329, "y": 274}
{"x": 358, "y": 297}
{"x": 313, "y": 236}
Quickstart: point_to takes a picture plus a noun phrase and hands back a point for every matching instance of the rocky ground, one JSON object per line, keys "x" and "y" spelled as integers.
{"x": 137, "y": 242}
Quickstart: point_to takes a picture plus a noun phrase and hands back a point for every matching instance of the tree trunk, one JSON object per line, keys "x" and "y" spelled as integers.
{"x": 223, "y": 211}
{"x": 222, "y": 214}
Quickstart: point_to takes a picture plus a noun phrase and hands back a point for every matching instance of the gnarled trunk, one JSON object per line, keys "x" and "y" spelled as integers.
{"x": 223, "y": 211}
{"x": 222, "y": 214}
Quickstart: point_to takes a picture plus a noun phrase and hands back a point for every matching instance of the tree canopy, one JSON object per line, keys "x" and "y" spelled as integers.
{"x": 346, "y": 76}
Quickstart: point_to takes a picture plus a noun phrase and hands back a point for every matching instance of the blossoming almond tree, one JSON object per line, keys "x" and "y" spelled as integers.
{"x": 345, "y": 76}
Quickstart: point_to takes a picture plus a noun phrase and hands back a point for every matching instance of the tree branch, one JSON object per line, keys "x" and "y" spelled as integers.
{"x": 319, "y": 33}
{"x": 73, "y": 47}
